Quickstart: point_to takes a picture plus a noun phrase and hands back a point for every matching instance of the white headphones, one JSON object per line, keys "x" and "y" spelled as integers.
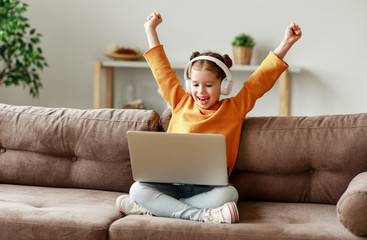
{"x": 227, "y": 83}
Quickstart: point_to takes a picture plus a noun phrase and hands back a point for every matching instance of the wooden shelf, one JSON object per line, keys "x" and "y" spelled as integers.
{"x": 284, "y": 80}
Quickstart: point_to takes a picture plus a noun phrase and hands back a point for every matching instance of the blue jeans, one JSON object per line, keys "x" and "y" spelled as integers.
{"x": 181, "y": 201}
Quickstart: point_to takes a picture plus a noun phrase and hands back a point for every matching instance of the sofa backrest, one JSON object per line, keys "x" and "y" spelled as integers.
{"x": 300, "y": 159}
{"x": 69, "y": 147}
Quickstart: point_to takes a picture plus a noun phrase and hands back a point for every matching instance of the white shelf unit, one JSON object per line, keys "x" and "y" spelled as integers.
{"x": 181, "y": 65}
{"x": 109, "y": 65}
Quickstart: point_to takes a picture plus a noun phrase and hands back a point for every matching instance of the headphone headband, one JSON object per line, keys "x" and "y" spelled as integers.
{"x": 218, "y": 62}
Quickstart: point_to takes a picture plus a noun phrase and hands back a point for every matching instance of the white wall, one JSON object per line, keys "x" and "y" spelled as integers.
{"x": 332, "y": 51}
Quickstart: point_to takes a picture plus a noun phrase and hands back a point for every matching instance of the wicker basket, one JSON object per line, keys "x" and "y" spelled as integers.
{"x": 242, "y": 55}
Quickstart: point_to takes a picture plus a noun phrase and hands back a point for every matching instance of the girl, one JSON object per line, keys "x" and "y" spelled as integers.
{"x": 199, "y": 110}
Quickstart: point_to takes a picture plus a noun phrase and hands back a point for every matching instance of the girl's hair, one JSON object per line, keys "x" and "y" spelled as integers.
{"x": 209, "y": 65}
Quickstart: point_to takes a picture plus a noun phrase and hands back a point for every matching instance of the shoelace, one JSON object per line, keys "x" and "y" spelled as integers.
{"x": 214, "y": 215}
{"x": 139, "y": 209}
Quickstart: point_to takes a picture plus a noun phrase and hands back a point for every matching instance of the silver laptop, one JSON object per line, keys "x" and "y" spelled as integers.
{"x": 183, "y": 158}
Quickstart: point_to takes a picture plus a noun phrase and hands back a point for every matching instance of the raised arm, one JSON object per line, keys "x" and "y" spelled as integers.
{"x": 264, "y": 78}
{"x": 169, "y": 85}
{"x": 292, "y": 34}
{"x": 153, "y": 20}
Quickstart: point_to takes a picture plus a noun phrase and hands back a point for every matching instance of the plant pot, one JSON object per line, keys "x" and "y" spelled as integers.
{"x": 242, "y": 55}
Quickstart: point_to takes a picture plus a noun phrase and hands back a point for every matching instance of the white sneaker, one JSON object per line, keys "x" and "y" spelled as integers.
{"x": 128, "y": 206}
{"x": 228, "y": 213}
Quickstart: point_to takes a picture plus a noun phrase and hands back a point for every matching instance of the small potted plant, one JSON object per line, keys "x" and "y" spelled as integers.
{"x": 243, "y": 45}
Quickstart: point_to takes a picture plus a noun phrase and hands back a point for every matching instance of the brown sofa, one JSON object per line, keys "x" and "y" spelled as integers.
{"x": 62, "y": 169}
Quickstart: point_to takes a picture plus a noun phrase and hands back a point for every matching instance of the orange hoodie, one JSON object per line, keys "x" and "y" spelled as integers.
{"x": 226, "y": 117}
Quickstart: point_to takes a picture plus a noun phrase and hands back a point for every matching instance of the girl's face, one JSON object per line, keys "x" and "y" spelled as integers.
{"x": 205, "y": 88}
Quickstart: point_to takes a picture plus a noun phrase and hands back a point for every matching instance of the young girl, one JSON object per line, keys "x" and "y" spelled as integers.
{"x": 199, "y": 110}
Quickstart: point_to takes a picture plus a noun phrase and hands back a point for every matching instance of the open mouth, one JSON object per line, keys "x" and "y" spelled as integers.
{"x": 202, "y": 100}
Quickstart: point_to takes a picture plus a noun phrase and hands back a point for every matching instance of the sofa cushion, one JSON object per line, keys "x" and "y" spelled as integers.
{"x": 30, "y": 212}
{"x": 300, "y": 159}
{"x": 258, "y": 220}
{"x": 69, "y": 147}
{"x": 352, "y": 206}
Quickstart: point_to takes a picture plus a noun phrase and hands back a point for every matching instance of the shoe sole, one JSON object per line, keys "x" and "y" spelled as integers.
{"x": 235, "y": 218}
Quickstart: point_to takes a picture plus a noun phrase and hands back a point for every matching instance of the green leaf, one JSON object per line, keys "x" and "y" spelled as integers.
{"x": 8, "y": 83}
{"x": 36, "y": 76}
{"x": 40, "y": 66}
{"x": 15, "y": 82}
{"x": 22, "y": 27}
{"x": 5, "y": 37}
{"x": 35, "y": 40}
{"x": 30, "y": 47}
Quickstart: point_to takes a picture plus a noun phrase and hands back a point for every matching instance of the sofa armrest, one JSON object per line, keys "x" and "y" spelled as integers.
{"x": 352, "y": 205}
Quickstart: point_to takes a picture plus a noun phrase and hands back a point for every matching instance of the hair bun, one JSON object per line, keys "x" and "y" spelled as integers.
{"x": 227, "y": 60}
{"x": 194, "y": 55}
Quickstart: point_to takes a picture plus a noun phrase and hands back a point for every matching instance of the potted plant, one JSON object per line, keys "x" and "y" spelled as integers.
{"x": 20, "y": 55}
{"x": 242, "y": 48}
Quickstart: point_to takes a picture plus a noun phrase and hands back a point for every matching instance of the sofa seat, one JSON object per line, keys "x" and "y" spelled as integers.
{"x": 258, "y": 220}
{"x": 30, "y": 212}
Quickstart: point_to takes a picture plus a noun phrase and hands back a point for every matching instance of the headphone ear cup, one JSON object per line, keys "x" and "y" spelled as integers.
{"x": 188, "y": 86}
{"x": 187, "y": 79}
{"x": 226, "y": 87}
